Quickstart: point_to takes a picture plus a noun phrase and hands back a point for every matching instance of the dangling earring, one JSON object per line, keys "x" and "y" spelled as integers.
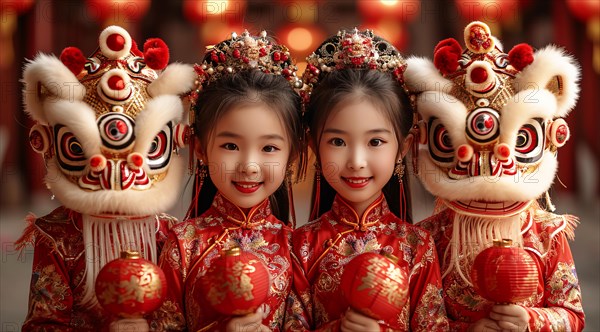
{"x": 399, "y": 172}
{"x": 315, "y": 209}
{"x": 288, "y": 179}
{"x": 200, "y": 175}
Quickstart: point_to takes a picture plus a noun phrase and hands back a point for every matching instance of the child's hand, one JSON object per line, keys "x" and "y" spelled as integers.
{"x": 250, "y": 322}
{"x": 510, "y": 317}
{"x": 129, "y": 325}
{"x": 484, "y": 325}
{"x": 355, "y": 321}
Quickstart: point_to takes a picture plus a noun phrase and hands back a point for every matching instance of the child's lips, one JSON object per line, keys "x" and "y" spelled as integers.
{"x": 247, "y": 187}
{"x": 356, "y": 182}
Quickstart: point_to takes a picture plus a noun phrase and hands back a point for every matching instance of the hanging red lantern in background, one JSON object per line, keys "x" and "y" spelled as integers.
{"x": 392, "y": 31}
{"x": 400, "y": 10}
{"x": 505, "y": 274}
{"x": 130, "y": 286}
{"x": 117, "y": 11}
{"x": 375, "y": 286}
{"x": 489, "y": 11}
{"x": 302, "y": 40}
{"x": 588, "y": 11}
{"x": 236, "y": 283}
{"x": 199, "y": 11}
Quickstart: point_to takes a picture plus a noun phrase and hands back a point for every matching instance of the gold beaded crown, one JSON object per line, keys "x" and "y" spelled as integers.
{"x": 352, "y": 49}
{"x": 245, "y": 52}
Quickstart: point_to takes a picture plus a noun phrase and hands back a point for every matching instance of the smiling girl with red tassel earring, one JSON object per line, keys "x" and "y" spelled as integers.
{"x": 247, "y": 119}
{"x": 358, "y": 117}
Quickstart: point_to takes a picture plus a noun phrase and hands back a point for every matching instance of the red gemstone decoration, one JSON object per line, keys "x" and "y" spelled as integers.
{"x": 214, "y": 57}
{"x": 130, "y": 286}
{"x": 262, "y": 51}
{"x": 375, "y": 286}
{"x": 115, "y": 42}
{"x": 222, "y": 57}
{"x": 276, "y": 56}
{"x": 116, "y": 83}
{"x": 236, "y": 283}
{"x": 505, "y": 274}
{"x": 36, "y": 140}
{"x": 236, "y": 53}
{"x": 284, "y": 57}
{"x": 479, "y": 75}
{"x": 562, "y": 132}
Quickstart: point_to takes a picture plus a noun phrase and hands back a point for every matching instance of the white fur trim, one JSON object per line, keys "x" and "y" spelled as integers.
{"x": 113, "y": 29}
{"x": 55, "y": 77}
{"x": 548, "y": 64}
{"x": 506, "y": 188}
{"x": 176, "y": 79}
{"x": 159, "y": 111}
{"x": 80, "y": 119}
{"x": 451, "y": 112}
{"x": 159, "y": 198}
{"x": 421, "y": 75}
{"x": 523, "y": 106}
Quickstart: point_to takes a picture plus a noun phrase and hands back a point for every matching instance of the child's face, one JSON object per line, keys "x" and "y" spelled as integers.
{"x": 358, "y": 151}
{"x": 248, "y": 154}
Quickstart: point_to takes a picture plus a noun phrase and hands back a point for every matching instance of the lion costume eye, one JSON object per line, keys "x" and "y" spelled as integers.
{"x": 440, "y": 146}
{"x": 69, "y": 150}
{"x": 116, "y": 131}
{"x": 482, "y": 125}
{"x": 529, "y": 146}
{"x": 159, "y": 154}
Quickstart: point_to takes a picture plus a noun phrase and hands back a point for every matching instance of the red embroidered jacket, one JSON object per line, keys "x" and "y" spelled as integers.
{"x": 557, "y": 305}
{"x": 323, "y": 247}
{"x": 194, "y": 244}
{"x": 58, "y": 273}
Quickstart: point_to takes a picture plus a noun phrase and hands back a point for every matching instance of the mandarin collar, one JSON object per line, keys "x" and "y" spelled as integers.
{"x": 233, "y": 213}
{"x": 344, "y": 213}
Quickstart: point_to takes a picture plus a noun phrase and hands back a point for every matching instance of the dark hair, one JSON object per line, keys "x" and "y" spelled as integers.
{"x": 383, "y": 91}
{"x": 247, "y": 88}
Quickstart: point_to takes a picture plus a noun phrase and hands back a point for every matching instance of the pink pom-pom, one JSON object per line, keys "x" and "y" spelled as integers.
{"x": 445, "y": 59}
{"x": 451, "y": 43}
{"x": 156, "y": 53}
{"x": 520, "y": 56}
{"x": 73, "y": 59}
{"x": 135, "y": 50}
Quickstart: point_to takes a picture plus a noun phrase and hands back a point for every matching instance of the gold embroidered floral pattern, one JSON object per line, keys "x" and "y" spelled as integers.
{"x": 167, "y": 317}
{"x": 564, "y": 287}
{"x": 48, "y": 291}
{"x": 430, "y": 313}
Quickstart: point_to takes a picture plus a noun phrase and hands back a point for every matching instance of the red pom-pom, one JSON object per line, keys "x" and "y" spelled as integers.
{"x": 156, "y": 53}
{"x": 135, "y": 50}
{"x": 445, "y": 59}
{"x": 73, "y": 59}
{"x": 450, "y": 42}
{"x": 520, "y": 56}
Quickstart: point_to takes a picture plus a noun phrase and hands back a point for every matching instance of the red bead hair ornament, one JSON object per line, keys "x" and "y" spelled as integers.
{"x": 130, "y": 286}
{"x": 375, "y": 286}
{"x": 505, "y": 274}
{"x": 236, "y": 283}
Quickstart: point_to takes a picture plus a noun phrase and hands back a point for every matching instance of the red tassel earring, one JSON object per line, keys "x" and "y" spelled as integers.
{"x": 399, "y": 172}
{"x": 200, "y": 175}
{"x": 314, "y": 213}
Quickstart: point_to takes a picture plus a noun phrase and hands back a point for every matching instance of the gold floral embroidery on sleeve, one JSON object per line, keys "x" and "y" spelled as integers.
{"x": 48, "y": 292}
{"x": 167, "y": 317}
{"x": 430, "y": 314}
{"x": 564, "y": 287}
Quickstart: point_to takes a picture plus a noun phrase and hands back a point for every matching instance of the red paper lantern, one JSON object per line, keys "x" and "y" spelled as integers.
{"x": 489, "y": 11}
{"x": 130, "y": 286}
{"x": 117, "y": 10}
{"x": 236, "y": 283}
{"x": 375, "y": 286}
{"x": 199, "y": 11}
{"x": 504, "y": 274}
{"x": 401, "y": 10}
{"x": 584, "y": 10}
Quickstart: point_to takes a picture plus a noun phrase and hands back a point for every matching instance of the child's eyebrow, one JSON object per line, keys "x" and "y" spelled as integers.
{"x": 372, "y": 131}
{"x": 229, "y": 134}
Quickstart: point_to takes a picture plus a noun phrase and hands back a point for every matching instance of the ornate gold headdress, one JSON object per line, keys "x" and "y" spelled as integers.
{"x": 352, "y": 49}
{"x": 245, "y": 52}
